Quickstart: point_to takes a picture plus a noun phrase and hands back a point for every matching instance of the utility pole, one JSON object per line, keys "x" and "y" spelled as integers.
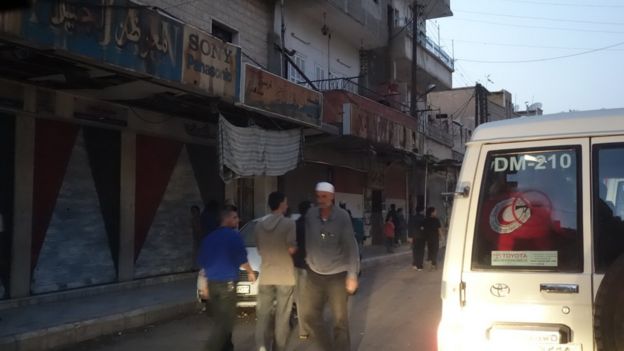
{"x": 414, "y": 92}
{"x": 284, "y": 58}
{"x": 477, "y": 97}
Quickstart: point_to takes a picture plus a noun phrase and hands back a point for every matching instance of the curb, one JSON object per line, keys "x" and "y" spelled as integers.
{"x": 73, "y": 333}
{"x": 93, "y": 290}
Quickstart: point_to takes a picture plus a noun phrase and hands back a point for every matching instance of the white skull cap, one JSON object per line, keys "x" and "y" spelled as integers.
{"x": 325, "y": 187}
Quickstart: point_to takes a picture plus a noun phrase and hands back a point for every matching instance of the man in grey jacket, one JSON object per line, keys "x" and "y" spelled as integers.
{"x": 333, "y": 260}
{"x": 276, "y": 241}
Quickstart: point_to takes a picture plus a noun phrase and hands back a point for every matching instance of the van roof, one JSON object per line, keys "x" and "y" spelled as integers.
{"x": 571, "y": 124}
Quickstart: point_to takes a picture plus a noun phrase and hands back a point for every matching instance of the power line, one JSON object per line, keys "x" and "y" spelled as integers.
{"x": 409, "y": 23}
{"x": 540, "y": 18}
{"x": 548, "y": 58}
{"x": 539, "y": 27}
{"x": 564, "y": 5}
{"x": 466, "y": 82}
{"x": 524, "y": 46}
{"x": 254, "y": 61}
{"x": 464, "y": 74}
{"x": 465, "y": 105}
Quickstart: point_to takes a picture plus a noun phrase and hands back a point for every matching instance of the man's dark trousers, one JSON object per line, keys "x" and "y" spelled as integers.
{"x": 221, "y": 309}
{"x": 328, "y": 289}
{"x": 433, "y": 245}
{"x": 418, "y": 251}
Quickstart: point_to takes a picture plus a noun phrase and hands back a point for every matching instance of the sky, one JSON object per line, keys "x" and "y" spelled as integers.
{"x": 502, "y": 31}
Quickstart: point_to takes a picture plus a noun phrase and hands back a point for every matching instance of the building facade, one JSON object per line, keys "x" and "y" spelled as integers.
{"x": 114, "y": 115}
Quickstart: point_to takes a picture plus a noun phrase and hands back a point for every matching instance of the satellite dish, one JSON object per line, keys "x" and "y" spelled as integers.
{"x": 536, "y": 106}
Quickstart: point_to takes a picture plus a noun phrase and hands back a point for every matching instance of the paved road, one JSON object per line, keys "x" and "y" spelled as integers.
{"x": 396, "y": 308}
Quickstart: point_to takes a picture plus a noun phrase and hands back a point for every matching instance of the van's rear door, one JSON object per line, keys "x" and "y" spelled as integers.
{"x": 526, "y": 283}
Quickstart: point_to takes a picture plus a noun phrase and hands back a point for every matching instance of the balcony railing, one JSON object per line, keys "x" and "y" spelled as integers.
{"x": 425, "y": 41}
{"x": 431, "y": 128}
{"x": 349, "y": 84}
{"x": 437, "y": 131}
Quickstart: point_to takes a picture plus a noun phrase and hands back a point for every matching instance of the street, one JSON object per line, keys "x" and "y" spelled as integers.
{"x": 396, "y": 308}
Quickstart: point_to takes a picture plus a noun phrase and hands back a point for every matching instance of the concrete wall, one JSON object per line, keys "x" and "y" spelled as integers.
{"x": 500, "y": 105}
{"x": 304, "y": 35}
{"x": 438, "y": 150}
{"x": 299, "y": 183}
{"x": 252, "y": 20}
{"x": 436, "y": 185}
{"x": 459, "y": 104}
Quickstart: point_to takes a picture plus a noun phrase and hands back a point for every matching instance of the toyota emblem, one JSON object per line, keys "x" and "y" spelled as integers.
{"x": 500, "y": 290}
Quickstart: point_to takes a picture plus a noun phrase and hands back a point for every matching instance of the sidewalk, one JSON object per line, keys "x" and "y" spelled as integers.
{"x": 53, "y": 321}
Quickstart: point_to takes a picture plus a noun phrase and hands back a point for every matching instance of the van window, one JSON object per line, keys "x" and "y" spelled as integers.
{"x": 608, "y": 204}
{"x": 528, "y": 215}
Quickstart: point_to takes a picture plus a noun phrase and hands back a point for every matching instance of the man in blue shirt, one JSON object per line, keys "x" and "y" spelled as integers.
{"x": 220, "y": 255}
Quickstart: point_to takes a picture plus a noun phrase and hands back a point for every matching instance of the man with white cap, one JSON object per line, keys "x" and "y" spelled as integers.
{"x": 333, "y": 260}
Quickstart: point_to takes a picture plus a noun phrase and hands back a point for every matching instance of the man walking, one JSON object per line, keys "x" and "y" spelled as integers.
{"x": 333, "y": 261}
{"x": 301, "y": 271}
{"x": 401, "y": 226}
{"x": 276, "y": 242}
{"x": 432, "y": 230}
{"x": 416, "y": 232}
{"x": 220, "y": 256}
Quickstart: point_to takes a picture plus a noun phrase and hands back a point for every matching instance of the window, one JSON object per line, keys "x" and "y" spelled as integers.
{"x": 320, "y": 76}
{"x": 293, "y": 75}
{"x": 608, "y": 204}
{"x": 529, "y": 211}
{"x": 320, "y": 73}
{"x": 223, "y": 32}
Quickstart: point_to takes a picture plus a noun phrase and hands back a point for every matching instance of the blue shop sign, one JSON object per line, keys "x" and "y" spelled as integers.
{"x": 115, "y": 32}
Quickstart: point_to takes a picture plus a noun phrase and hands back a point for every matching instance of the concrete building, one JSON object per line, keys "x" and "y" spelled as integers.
{"x": 110, "y": 123}
{"x": 461, "y": 110}
{"x": 531, "y": 110}
{"x": 359, "y": 54}
{"x": 113, "y": 112}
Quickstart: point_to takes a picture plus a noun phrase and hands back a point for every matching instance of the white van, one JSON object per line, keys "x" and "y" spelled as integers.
{"x": 535, "y": 235}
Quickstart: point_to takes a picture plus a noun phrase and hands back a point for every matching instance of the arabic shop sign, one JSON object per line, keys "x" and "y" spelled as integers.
{"x": 115, "y": 32}
{"x": 269, "y": 92}
{"x": 211, "y": 64}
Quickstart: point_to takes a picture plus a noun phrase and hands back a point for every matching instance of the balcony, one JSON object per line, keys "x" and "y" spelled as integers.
{"x": 361, "y": 23}
{"x": 434, "y": 64}
{"x": 351, "y": 85}
{"x": 436, "y": 8}
{"x": 365, "y": 114}
{"x": 438, "y": 131}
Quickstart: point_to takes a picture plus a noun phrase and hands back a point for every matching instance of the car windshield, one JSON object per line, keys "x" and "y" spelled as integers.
{"x": 247, "y": 232}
